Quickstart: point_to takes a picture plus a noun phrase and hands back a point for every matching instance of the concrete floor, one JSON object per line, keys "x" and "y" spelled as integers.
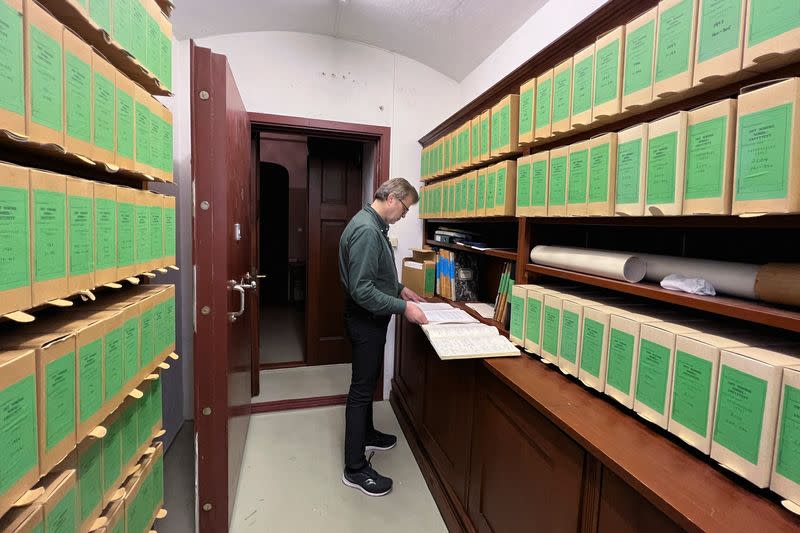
{"x": 283, "y": 330}
{"x": 304, "y": 382}
{"x": 291, "y": 479}
{"x": 179, "y": 483}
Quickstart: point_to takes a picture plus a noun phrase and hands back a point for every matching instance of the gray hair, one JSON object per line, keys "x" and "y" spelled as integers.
{"x": 397, "y": 187}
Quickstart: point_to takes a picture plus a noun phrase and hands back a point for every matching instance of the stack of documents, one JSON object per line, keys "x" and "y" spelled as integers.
{"x": 455, "y": 334}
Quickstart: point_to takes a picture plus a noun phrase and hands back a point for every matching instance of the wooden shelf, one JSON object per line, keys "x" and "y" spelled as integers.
{"x": 502, "y": 254}
{"x": 471, "y": 220}
{"x": 55, "y": 159}
{"x": 721, "y": 305}
{"x": 98, "y": 38}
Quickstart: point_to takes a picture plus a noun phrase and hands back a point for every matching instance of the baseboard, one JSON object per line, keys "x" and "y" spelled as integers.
{"x": 300, "y": 403}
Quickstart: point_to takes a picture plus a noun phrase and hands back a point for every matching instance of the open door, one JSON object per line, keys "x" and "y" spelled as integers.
{"x": 225, "y": 281}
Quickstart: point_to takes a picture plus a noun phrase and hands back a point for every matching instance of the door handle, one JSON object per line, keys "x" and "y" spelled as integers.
{"x": 239, "y": 287}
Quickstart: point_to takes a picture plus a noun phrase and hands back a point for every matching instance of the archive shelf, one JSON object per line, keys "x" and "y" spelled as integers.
{"x": 502, "y": 254}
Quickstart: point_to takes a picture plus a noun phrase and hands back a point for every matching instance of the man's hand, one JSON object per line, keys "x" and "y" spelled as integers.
{"x": 410, "y": 296}
{"x": 414, "y": 314}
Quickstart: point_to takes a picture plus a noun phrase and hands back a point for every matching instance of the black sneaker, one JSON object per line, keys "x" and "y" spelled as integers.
{"x": 367, "y": 480}
{"x": 380, "y": 441}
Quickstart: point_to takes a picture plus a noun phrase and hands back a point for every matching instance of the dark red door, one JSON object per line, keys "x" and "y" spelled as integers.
{"x": 334, "y": 196}
{"x": 224, "y": 283}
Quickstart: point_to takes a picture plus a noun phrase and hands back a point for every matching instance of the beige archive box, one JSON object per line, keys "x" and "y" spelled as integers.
{"x": 631, "y": 171}
{"x": 171, "y": 224}
{"x": 551, "y": 327}
{"x": 767, "y": 175}
{"x": 710, "y": 151}
{"x": 505, "y": 125}
{"x": 746, "y": 413}
{"x": 12, "y": 116}
{"x": 516, "y": 330}
{"x": 18, "y": 408}
{"x": 569, "y": 349}
{"x": 654, "y": 371}
{"x": 28, "y": 519}
{"x": 78, "y": 96}
{"x": 609, "y": 54}
{"x": 594, "y": 345}
{"x": 114, "y": 516}
{"x": 127, "y": 200}
{"x": 557, "y": 182}
{"x": 49, "y": 251}
{"x": 666, "y": 165}
{"x": 527, "y": 111}
{"x": 60, "y": 498}
{"x": 475, "y": 141}
{"x": 677, "y": 30}
{"x": 143, "y": 240}
{"x": 694, "y": 382}
{"x": 124, "y": 117}
{"x": 104, "y": 100}
{"x": 601, "y": 188}
{"x": 771, "y": 35}
{"x": 534, "y": 321}
{"x": 582, "y": 87}
{"x": 720, "y": 40}
{"x": 578, "y": 178}
{"x": 155, "y": 203}
{"x": 105, "y": 230}
{"x": 80, "y": 223}
{"x": 640, "y": 51}
{"x": 90, "y": 482}
{"x": 543, "y": 117}
{"x": 562, "y": 97}
{"x": 480, "y": 192}
{"x": 44, "y": 90}
{"x": 486, "y": 135}
{"x": 540, "y": 183}
{"x": 157, "y": 138}
{"x": 505, "y": 188}
{"x": 524, "y": 186}
{"x": 785, "y": 478}
{"x": 167, "y": 174}
{"x": 141, "y": 99}
{"x": 15, "y": 273}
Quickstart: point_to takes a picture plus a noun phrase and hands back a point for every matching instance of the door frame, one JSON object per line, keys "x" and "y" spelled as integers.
{"x": 381, "y": 135}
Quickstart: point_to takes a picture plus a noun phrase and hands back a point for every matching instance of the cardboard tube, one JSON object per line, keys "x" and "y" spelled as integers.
{"x": 614, "y": 265}
{"x": 734, "y": 279}
{"x": 779, "y": 283}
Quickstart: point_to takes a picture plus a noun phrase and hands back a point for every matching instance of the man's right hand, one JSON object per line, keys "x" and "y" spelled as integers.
{"x": 414, "y": 314}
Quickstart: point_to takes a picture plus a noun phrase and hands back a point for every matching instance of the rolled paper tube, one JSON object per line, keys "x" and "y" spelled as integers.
{"x": 614, "y": 265}
{"x": 779, "y": 283}
{"x": 734, "y": 279}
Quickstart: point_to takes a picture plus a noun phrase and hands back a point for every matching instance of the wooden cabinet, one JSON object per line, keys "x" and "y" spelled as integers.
{"x": 623, "y": 510}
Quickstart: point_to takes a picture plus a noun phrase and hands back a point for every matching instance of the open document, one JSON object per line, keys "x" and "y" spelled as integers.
{"x": 443, "y": 313}
{"x": 467, "y": 341}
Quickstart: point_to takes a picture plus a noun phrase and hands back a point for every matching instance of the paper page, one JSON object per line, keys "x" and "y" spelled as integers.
{"x": 449, "y": 316}
{"x": 459, "y": 330}
{"x": 433, "y": 306}
{"x": 413, "y": 264}
{"x": 473, "y": 346}
{"x": 485, "y": 310}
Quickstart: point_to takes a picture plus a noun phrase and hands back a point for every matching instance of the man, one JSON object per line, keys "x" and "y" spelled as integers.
{"x": 367, "y": 271}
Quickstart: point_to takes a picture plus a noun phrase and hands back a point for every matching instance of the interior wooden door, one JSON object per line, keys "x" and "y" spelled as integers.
{"x": 334, "y": 196}
{"x": 224, "y": 290}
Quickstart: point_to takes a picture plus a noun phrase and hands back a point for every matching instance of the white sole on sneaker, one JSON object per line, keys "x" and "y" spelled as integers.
{"x": 359, "y": 487}
{"x": 378, "y": 448}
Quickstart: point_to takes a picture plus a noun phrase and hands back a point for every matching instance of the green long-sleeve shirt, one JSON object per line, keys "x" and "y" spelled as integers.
{"x": 366, "y": 264}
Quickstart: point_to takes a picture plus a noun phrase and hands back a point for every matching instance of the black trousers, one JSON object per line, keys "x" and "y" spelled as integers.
{"x": 367, "y": 334}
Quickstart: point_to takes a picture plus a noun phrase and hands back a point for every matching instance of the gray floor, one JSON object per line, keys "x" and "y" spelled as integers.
{"x": 179, "y": 483}
{"x": 282, "y": 334}
{"x": 291, "y": 479}
{"x": 304, "y": 382}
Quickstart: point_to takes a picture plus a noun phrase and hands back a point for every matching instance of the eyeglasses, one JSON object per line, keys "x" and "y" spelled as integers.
{"x": 405, "y": 207}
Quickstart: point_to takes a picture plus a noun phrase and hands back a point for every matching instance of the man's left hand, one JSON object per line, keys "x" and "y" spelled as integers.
{"x": 410, "y": 296}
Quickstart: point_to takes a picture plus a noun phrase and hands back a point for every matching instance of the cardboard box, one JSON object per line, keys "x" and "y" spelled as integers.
{"x": 55, "y": 391}
{"x": 655, "y": 370}
{"x": 534, "y": 305}
{"x": 89, "y": 335}
{"x": 631, "y": 171}
{"x": 602, "y": 175}
{"x": 785, "y": 478}
{"x": 131, "y": 354}
{"x": 60, "y": 499}
{"x": 100, "y": 14}
{"x": 540, "y": 183}
{"x": 562, "y": 97}
{"x": 78, "y": 95}
{"x": 149, "y": 413}
{"x": 114, "y": 390}
{"x": 462, "y": 196}
{"x": 155, "y": 204}
{"x": 114, "y": 516}
{"x": 465, "y": 145}
{"x": 452, "y": 195}
{"x": 569, "y": 350}
{"x": 486, "y": 135}
{"x": 127, "y": 200}
{"x": 142, "y": 131}
{"x": 138, "y": 44}
{"x": 13, "y": 100}
{"x": 524, "y": 186}
{"x": 18, "y": 423}
{"x": 594, "y": 345}
{"x": 44, "y": 76}
{"x": 666, "y": 165}
{"x": 557, "y": 182}
{"x": 156, "y": 161}
{"x": 80, "y": 220}
{"x": 15, "y": 238}
{"x": 147, "y": 336}
{"x": 543, "y": 121}
{"x": 448, "y": 152}
{"x": 419, "y": 276}
{"x": 130, "y": 435}
{"x": 471, "y": 179}
{"x": 113, "y": 472}
{"x": 640, "y": 51}
{"x": 168, "y": 146}
{"x": 105, "y": 236}
{"x": 609, "y": 55}
{"x": 124, "y": 118}
{"x": 710, "y": 151}
{"x": 480, "y": 193}
{"x": 582, "y": 87}
{"x": 746, "y": 413}
{"x": 90, "y": 482}
{"x": 23, "y": 520}
{"x": 527, "y": 111}
{"x": 104, "y": 104}
{"x": 491, "y": 190}
{"x": 506, "y": 188}
{"x": 767, "y": 176}
{"x": 143, "y": 240}
{"x": 49, "y": 258}
{"x": 578, "y": 179}
{"x": 677, "y": 36}
{"x": 505, "y": 125}
{"x": 475, "y": 140}
{"x": 518, "y": 320}
{"x": 772, "y": 35}
{"x": 153, "y": 57}
{"x": 171, "y": 227}
{"x": 551, "y": 328}
{"x": 720, "y": 40}
{"x": 691, "y": 412}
